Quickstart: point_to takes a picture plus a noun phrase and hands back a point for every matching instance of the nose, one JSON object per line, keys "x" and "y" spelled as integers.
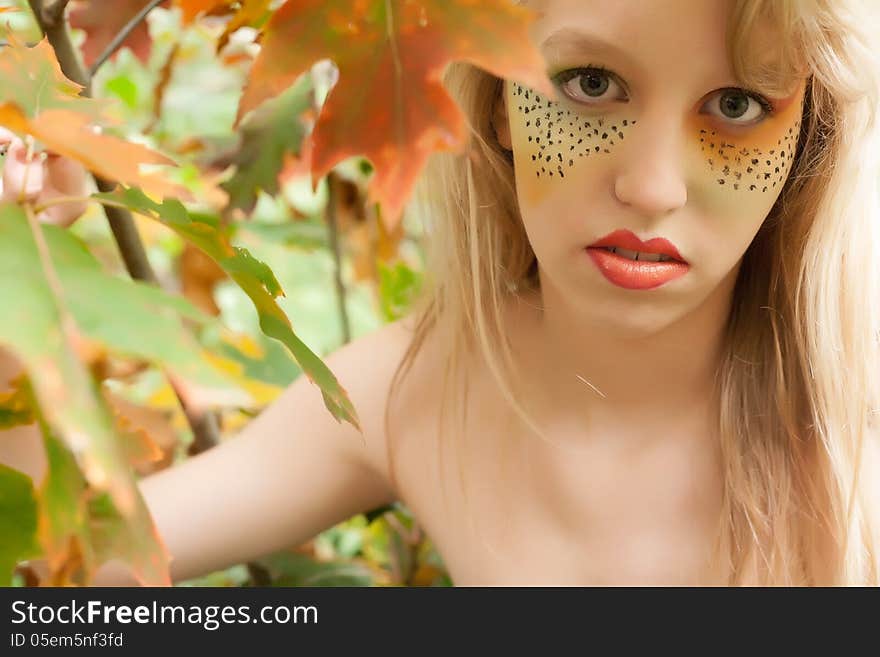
{"x": 650, "y": 177}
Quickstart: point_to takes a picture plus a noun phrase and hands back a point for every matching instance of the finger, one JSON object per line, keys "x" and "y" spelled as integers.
{"x": 68, "y": 176}
{"x": 64, "y": 178}
{"x": 20, "y": 177}
{"x": 63, "y": 214}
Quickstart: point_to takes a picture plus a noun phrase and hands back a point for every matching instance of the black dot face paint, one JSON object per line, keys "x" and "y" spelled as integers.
{"x": 558, "y": 138}
{"x": 729, "y": 161}
{"x": 749, "y": 169}
{"x": 758, "y": 160}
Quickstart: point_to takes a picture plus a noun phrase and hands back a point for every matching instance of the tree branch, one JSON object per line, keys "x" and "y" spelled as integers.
{"x": 333, "y": 233}
{"x": 53, "y": 13}
{"x": 118, "y": 40}
{"x": 121, "y": 223}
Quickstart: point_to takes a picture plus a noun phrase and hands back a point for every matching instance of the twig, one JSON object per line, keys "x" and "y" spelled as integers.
{"x": 127, "y": 238}
{"x": 333, "y": 236}
{"x": 53, "y": 13}
{"x": 333, "y": 232}
{"x": 118, "y": 40}
{"x": 203, "y": 423}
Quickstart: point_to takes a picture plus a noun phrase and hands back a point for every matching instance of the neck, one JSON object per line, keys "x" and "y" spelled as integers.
{"x": 582, "y": 370}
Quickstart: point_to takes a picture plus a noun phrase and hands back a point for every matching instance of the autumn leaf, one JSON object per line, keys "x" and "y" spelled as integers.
{"x": 33, "y": 328}
{"x": 79, "y": 528}
{"x": 268, "y": 137}
{"x": 130, "y": 318}
{"x": 62, "y": 521}
{"x": 254, "y": 278}
{"x": 191, "y": 9}
{"x": 250, "y": 13}
{"x": 389, "y": 104}
{"x": 101, "y": 27}
{"x": 127, "y": 317}
{"x": 148, "y": 436}
{"x": 31, "y": 79}
{"x": 37, "y": 99}
{"x": 18, "y": 521}
{"x": 57, "y": 521}
{"x": 15, "y": 409}
{"x": 241, "y": 12}
{"x": 199, "y": 275}
{"x": 69, "y": 133}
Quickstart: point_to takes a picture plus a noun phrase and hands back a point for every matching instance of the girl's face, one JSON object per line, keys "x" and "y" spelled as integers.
{"x": 648, "y": 132}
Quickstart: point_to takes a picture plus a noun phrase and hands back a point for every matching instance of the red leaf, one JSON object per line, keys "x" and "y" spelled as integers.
{"x": 389, "y": 104}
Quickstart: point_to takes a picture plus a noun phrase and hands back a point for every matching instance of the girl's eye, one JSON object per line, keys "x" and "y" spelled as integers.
{"x": 734, "y": 104}
{"x": 584, "y": 84}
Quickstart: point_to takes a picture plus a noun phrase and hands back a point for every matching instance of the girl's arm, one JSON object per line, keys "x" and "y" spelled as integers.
{"x": 292, "y": 472}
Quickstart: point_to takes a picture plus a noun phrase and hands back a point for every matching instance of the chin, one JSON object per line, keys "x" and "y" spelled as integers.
{"x": 630, "y": 320}
{"x": 639, "y": 325}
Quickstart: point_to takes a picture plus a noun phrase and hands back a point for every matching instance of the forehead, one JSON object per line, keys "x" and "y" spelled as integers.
{"x": 650, "y": 37}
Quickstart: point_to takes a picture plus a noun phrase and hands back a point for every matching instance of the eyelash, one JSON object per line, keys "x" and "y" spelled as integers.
{"x": 566, "y": 75}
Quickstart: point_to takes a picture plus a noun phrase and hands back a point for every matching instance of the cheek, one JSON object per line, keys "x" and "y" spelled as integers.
{"x": 549, "y": 141}
{"x": 754, "y": 164}
{"x": 747, "y": 167}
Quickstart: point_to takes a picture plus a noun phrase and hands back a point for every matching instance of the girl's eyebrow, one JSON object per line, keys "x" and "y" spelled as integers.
{"x": 573, "y": 41}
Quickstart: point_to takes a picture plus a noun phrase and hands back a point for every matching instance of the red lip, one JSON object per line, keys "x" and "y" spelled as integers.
{"x": 626, "y": 239}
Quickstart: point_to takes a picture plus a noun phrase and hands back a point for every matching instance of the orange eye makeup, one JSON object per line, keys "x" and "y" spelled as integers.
{"x": 757, "y": 160}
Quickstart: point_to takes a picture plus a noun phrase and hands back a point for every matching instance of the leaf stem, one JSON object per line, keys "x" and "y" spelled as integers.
{"x": 52, "y": 279}
{"x": 62, "y": 200}
{"x": 333, "y": 232}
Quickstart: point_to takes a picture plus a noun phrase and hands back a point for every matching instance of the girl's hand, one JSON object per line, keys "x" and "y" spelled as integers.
{"x": 49, "y": 176}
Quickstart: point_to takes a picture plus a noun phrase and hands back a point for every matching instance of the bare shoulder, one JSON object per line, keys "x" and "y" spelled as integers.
{"x": 365, "y": 368}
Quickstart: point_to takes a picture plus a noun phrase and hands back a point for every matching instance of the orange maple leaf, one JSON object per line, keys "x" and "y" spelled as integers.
{"x": 389, "y": 104}
{"x": 70, "y": 133}
{"x": 190, "y": 9}
{"x": 242, "y": 12}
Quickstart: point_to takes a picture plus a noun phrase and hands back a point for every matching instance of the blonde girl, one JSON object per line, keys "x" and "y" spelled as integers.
{"x": 647, "y": 352}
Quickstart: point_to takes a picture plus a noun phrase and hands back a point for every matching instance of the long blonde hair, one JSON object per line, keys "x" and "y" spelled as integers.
{"x": 798, "y": 384}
